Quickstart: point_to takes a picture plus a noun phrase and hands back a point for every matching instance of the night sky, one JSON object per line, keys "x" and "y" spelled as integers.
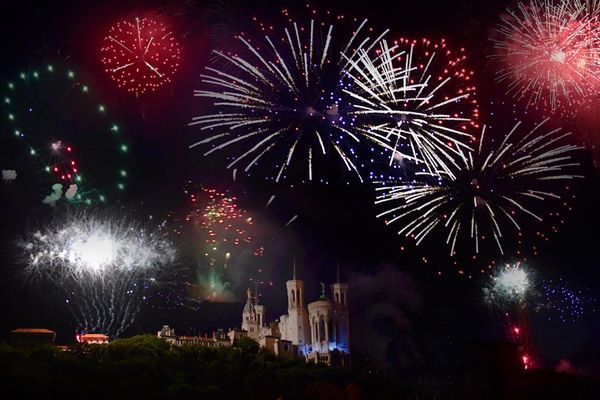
{"x": 433, "y": 314}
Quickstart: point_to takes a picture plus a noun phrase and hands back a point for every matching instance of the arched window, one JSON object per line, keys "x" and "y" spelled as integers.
{"x": 321, "y": 329}
{"x": 337, "y": 297}
{"x": 293, "y": 296}
{"x": 298, "y": 296}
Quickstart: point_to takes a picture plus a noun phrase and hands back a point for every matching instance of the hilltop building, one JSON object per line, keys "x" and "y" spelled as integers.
{"x": 318, "y": 332}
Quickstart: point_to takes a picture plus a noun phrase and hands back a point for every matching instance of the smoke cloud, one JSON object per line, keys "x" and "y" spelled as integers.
{"x": 52, "y": 198}
{"x": 9, "y": 175}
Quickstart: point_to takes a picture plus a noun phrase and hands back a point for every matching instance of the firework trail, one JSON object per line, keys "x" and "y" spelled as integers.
{"x": 549, "y": 53}
{"x": 281, "y": 97}
{"x": 510, "y": 291}
{"x": 495, "y": 187}
{"x": 417, "y": 96}
{"x": 103, "y": 264}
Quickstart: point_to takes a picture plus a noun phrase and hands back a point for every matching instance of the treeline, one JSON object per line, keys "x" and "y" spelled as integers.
{"x": 146, "y": 367}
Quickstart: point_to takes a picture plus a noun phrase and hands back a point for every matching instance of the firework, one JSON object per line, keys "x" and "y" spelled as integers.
{"x": 281, "y": 97}
{"x": 565, "y": 302}
{"x": 495, "y": 187}
{"x": 103, "y": 265}
{"x": 140, "y": 55}
{"x": 63, "y": 140}
{"x": 510, "y": 290}
{"x": 224, "y": 242}
{"x": 549, "y": 52}
{"x": 511, "y": 285}
{"x": 417, "y": 96}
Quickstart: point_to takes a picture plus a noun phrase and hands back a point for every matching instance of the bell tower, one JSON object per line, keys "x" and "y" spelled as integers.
{"x": 295, "y": 327}
{"x": 341, "y": 328}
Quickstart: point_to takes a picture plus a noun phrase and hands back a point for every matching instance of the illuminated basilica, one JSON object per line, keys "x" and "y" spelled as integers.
{"x": 318, "y": 332}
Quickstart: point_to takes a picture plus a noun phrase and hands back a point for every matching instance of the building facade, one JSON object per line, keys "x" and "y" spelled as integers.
{"x": 218, "y": 338}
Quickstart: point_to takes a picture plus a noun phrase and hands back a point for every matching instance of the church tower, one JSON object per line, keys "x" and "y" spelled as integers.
{"x": 294, "y": 326}
{"x": 341, "y": 328}
{"x": 250, "y": 318}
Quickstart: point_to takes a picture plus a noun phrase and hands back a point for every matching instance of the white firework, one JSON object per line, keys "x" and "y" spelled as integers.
{"x": 492, "y": 190}
{"x": 282, "y": 98}
{"x": 512, "y": 284}
{"x": 418, "y": 98}
{"x": 102, "y": 264}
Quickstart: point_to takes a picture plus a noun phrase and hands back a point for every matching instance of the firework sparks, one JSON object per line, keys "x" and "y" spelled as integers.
{"x": 549, "y": 51}
{"x": 224, "y": 241}
{"x": 494, "y": 188}
{"x": 140, "y": 55}
{"x": 65, "y": 136}
{"x": 565, "y": 302}
{"x": 284, "y": 96}
{"x": 512, "y": 282}
{"x": 417, "y": 96}
{"x": 510, "y": 291}
{"x": 103, "y": 264}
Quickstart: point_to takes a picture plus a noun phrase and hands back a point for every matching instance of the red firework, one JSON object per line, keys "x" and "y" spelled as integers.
{"x": 452, "y": 76}
{"x": 140, "y": 55}
{"x": 64, "y": 166}
{"x": 550, "y": 54}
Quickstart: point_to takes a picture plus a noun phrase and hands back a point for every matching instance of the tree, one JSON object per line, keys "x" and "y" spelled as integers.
{"x": 246, "y": 345}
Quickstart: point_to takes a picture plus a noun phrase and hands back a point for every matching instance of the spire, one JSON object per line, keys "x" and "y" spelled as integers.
{"x": 249, "y": 307}
{"x": 338, "y": 271}
{"x": 294, "y": 275}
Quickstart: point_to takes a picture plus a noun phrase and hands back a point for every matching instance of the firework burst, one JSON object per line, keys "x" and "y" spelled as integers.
{"x": 140, "y": 55}
{"x": 496, "y": 186}
{"x": 510, "y": 290}
{"x": 63, "y": 139}
{"x": 418, "y": 97}
{"x": 565, "y": 302}
{"x": 224, "y": 242}
{"x": 549, "y": 52}
{"x": 281, "y": 97}
{"x": 511, "y": 285}
{"x": 103, "y": 265}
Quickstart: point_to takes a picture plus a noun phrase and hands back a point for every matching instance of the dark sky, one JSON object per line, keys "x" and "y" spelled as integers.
{"x": 335, "y": 221}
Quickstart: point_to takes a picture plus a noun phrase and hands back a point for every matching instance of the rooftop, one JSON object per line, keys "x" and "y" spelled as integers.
{"x": 32, "y": 330}
{"x": 94, "y": 336}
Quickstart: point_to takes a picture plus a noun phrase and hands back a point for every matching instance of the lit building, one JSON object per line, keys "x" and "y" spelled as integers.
{"x": 93, "y": 338}
{"x": 218, "y": 338}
